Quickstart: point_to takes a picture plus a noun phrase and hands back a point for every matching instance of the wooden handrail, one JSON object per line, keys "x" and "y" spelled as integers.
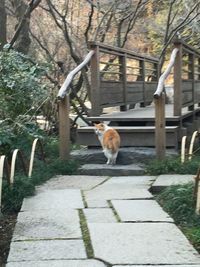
{"x": 64, "y": 90}
{"x": 165, "y": 74}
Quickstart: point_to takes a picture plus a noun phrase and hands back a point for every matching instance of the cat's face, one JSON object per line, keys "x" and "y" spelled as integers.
{"x": 99, "y": 128}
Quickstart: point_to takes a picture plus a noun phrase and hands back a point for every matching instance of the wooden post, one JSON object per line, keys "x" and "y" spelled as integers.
{"x": 160, "y": 136}
{"x": 178, "y": 80}
{"x": 95, "y": 83}
{"x": 64, "y": 128}
{"x": 122, "y": 60}
{"x": 191, "y": 77}
{"x": 142, "y": 73}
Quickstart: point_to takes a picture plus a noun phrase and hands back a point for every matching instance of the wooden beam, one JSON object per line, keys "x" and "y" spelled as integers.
{"x": 160, "y": 135}
{"x": 178, "y": 81}
{"x": 64, "y": 128}
{"x": 166, "y": 73}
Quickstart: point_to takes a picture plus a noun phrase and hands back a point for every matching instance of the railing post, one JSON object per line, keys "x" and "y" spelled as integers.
{"x": 64, "y": 128}
{"x": 178, "y": 80}
{"x": 122, "y": 61}
{"x": 142, "y": 75}
{"x": 95, "y": 83}
{"x": 160, "y": 136}
{"x": 191, "y": 76}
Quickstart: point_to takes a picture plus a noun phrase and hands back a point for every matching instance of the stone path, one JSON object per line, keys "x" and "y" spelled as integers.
{"x": 98, "y": 221}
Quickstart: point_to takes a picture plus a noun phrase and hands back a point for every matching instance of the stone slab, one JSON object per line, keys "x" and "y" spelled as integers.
{"x": 47, "y": 224}
{"x": 56, "y": 263}
{"x": 157, "y": 265}
{"x": 127, "y": 155}
{"x": 140, "y": 211}
{"x": 109, "y": 170}
{"x": 54, "y": 199}
{"x": 82, "y": 182}
{"x": 136, "y": 181}
{"x": 96, "y": 203}
{"x": 141, "y": 243}
{"x": 165, "y": 180}
{"x": 117, "y": 192}
{"x": 46, "y": 250}
{"x": 102, "y": 215}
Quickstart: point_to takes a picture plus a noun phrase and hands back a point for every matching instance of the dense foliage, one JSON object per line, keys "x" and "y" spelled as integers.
{"x": 22, "y": 92}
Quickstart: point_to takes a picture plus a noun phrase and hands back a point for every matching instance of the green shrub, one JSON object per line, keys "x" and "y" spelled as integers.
{"x": 173, "y": 165}
{"x": 23, "y": 89}
{"x": 178, "y": 201}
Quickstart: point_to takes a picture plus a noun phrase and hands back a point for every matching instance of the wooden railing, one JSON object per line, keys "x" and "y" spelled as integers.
{"x": 120, "y": 77}
{"x": 186, "y": 77}
{"x": 64, "y": 107}
{"x": 186, "y": 62}
{"x": 159, "y": 100}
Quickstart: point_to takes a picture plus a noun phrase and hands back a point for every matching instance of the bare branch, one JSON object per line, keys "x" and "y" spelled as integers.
{"x": 32, "y": 5}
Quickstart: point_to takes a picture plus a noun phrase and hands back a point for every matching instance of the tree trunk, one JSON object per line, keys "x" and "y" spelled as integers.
{"x": 3, "y": 19}
{"x": 23, "y": 41}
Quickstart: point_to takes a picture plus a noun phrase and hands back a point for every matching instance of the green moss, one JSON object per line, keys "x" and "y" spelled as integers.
{"x": 86, "y": 235}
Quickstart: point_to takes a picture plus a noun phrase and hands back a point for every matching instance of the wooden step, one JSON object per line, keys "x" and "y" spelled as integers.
{"x": 131, "y": 136}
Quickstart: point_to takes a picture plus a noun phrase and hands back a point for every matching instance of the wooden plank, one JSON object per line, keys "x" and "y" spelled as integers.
{"x": 150, "y": 88}
{"x": 130, "y": 136}
{"x": 187, "y": 93}
{"x": 111, "y": 49}
{"x": 135, "y": 92}
{"x": 144, "y": 114}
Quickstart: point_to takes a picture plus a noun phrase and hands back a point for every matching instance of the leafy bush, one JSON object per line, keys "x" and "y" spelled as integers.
{"x": 21, "y": 85}
{"x": 22, "y": 90}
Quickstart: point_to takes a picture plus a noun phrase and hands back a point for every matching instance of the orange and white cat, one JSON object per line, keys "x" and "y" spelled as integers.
{"x": 110, "y": 141}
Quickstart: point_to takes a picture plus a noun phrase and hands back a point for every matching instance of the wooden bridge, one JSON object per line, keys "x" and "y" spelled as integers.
{"x": 127, "y": 82}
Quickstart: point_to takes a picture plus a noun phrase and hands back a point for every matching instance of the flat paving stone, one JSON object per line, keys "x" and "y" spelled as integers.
{"x": 131, "y": 180}
{"x": 82, "y": 182}
{"x": 165, "y": 180}
{"x": 140, "y": 211}
{"x": 47, "y": 224}
{"x": 117, "y": 192}
{"x": 102, "y": 215}
{"x": 46, "y": 250}
{"x": 157, "y": 265}
{"x": 58, "y": 263}
{"x": 141, "y": 243}
{"x": 96, "y": 203}
{"x": 54, "y": 199}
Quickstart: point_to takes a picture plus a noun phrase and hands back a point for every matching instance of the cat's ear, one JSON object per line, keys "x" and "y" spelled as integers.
{"x": 106, "y": 122}
{"x": 94, "y": 124}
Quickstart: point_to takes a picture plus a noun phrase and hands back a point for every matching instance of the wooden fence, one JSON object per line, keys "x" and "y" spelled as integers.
{"x": 186, "y": 77}
{"x": 120, "y": 77}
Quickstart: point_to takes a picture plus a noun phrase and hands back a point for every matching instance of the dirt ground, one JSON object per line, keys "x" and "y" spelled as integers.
{"x": 7, "y": 223}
